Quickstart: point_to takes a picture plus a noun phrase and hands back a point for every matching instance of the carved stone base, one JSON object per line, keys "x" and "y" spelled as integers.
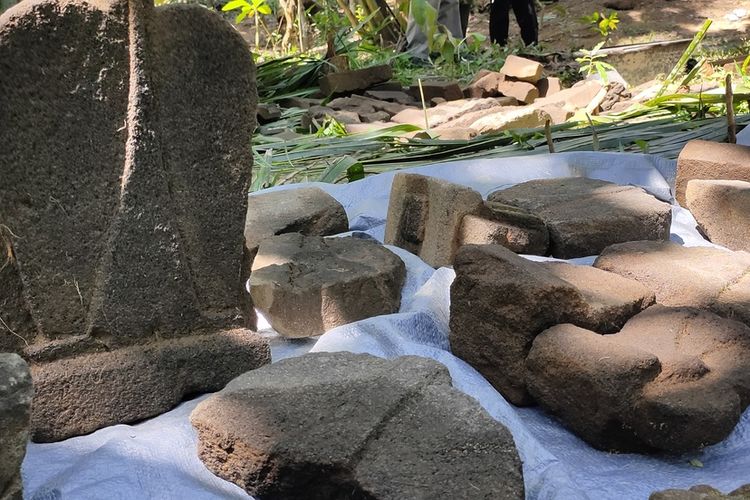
{"x": 78, "y": 395}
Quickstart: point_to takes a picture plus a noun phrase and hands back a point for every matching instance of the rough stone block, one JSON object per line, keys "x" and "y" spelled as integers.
{"x": 522, "y": 91}
{"x": 507, "y": 118}
{"x": 584, "y": 216}
{"x": 700, "y": 277}
{"x": 339, "y": 425}
{"x": 671, "y": 380}
{"x": 448, "y": 90}
{"x": 711, "y": 160}
{"x": 487, "y": 85}
{"x": 548, "y": 86}
{"x": 16, "y": 392}
{"x": 722, "y": 209}
{"x": 425, "y": 214}
{"x": 357, "y": 80}
{"x": 306, "y": 285}
{"x": 306, "y": 210}
{"x": 522, "y": 69}
{"x": 500, "y": 302}
{"x": 129, "y": 215}
{"x": 508, "y": 226}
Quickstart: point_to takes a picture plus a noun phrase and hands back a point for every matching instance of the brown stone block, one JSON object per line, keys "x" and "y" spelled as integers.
{"x": 711, "y": 160}
{"x": 80, "y": 394}
{"x": 425, "y": 215}
{"x": 350, "y": 81}
{"x": 522, "y": 69}
{"x": 722, "y": 209}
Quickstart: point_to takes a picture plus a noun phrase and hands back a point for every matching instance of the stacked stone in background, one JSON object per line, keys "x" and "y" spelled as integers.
{"x": 16, "y": 392}
{"x": 125, "y": 169}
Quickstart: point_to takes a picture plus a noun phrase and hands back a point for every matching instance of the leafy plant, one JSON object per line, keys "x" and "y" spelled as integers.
{"x": 591, "y": 62}
{"x": 602, "y": 23}
{"x": 251, "y": 8}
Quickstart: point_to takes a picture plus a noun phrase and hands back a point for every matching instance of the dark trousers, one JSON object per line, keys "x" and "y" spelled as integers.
{"x": 525, "y": 15}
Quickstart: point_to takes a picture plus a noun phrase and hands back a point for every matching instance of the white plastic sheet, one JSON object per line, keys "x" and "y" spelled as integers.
{"x": 157, "y": 459}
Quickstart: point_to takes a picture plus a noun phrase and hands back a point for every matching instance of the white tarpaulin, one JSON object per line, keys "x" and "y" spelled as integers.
{"x": 157, "y": 459}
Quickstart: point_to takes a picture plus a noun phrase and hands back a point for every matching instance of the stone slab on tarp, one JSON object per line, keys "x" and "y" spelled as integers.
{"x": 306, "y": 285}
{"x": 340, "y": 425}
{"x": 584, "y": 216}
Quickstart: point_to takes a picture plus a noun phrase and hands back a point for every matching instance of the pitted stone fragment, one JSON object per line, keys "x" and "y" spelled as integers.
{"x": 306, "y": 285}
{"x": 350, "y": 426}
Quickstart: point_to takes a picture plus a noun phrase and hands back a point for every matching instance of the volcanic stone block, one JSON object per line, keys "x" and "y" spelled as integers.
{"x": 306, "y": 210}
{"x": 125, "y": 169}
{"x": 711, "y": 160}
{"x": 347, "y": 426}
{"x": 701, "y": 277}
{"x": 425, "y": 214}
{"x": 508, "y": 226}
{"x": 611, "y": 300}
{"x": 16, "y": 392}
{"x": 722, "y": 209}
{"x": 584, "y": 216}
{"x": 350, "y": 81}
{"x": 306, "y": 285}
{"x": 702, "y": 492}
{"x": 448, "y": 90}
{"x": 671, "y": 380}
{"x": 522, "y": 69}
{"x": 500, "y": 302}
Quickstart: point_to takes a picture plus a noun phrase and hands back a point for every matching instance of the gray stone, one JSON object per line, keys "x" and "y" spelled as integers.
{"x": 584, "y": 216}
{"x": 511, "y": 227}
{"x": 306, "y": 210}
{"x": 346, "y": 426}
{"x": 306, "y": 285}
{"x": 500, "y": 302}
{"x": 701, "y": 492}
{"x": 16, "y": 392}
{"x": 129, "y": 208}
{"x": 722, "y": 210}
{"x": 701, "y": 277}
{"x": 350, "y": 81}
{"x": 673, "y": 380}
{"x": 425, "y": 215}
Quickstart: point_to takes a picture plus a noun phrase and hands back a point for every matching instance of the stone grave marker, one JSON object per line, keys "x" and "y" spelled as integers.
{"x": 125, "y": 161}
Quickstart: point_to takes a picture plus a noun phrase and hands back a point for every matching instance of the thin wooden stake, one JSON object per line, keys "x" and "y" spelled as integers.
{"x": 594, "y": 135}
{"x": 548, "y": 134}
{"x": 424, "y": 106}
{"x": 731, "y": 123}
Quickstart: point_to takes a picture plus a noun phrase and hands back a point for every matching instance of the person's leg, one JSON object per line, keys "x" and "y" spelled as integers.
{"x": 525, "y": 12}
{"x": 449, "y": 15}
{"x": 416, "y": 40}
{"x": 499, "y": 21}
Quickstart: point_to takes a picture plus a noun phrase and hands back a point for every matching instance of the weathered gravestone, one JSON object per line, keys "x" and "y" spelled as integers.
{"x": 125, "y": 160}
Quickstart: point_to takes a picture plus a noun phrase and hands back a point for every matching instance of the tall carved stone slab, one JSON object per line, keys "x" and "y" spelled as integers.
{"x": 124, "y": 165}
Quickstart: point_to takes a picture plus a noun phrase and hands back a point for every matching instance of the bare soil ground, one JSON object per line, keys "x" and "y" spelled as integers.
{"x": 561, "y": 28}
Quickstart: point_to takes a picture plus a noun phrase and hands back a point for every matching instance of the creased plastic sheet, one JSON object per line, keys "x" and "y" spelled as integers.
{"x": 157, "y": 458}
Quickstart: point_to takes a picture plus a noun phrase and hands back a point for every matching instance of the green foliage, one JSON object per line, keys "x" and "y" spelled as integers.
{"x": 251, "y": 8}
{"x": 601, "y": 22}
{"x": 591, "y": 62}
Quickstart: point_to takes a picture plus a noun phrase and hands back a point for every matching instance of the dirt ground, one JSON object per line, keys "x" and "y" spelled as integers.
{"x": 561, "y": 28}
